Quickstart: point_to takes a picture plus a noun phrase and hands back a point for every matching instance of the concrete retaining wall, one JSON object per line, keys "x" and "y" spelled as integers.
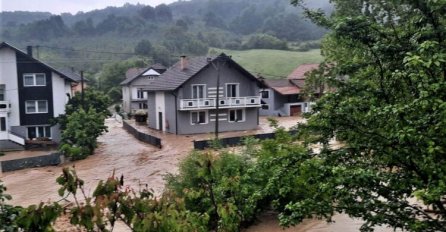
{"x": 150, "y": 139}
{"x": 31, "y": 162}
{"x": 234, "y": 141}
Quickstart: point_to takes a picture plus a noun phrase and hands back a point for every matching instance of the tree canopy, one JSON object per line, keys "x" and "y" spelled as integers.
{"x": 386, "y": 62}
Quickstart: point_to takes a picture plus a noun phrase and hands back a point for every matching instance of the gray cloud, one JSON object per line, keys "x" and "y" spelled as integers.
{"x": 71, "y": 6}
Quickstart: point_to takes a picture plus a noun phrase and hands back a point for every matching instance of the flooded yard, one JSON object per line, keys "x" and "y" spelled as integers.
{"x": 143, "y": 164}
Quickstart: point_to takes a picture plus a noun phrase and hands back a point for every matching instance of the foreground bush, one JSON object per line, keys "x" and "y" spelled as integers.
{"x": 222, "y": 186}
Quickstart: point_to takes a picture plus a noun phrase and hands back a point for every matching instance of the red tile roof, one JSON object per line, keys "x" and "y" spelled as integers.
{"x": 299, "y": 72}
{"x": 283, "y": 86}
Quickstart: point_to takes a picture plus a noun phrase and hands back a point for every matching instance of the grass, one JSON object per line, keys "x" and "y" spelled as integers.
{"x": 273, "y": 64}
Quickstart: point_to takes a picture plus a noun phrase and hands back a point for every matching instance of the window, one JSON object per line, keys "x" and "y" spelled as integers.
{"x": 236, "y": 116}
{"x": 265, "y": 94}
{"x": 143, "y": 106}
{"x": 2, "y": 92}
{"x": 2, "y": 124}
{"x": 36, "y": 107}
{"x": 198, "y": 91}
{"x": 39, "y": 132}
{"x": 198, "y": 117}
{"x": 34, "y": 79}
{"x": 140, "y": 94}
{"x": 232, "y": 90}
{"x": 265, "y": 107}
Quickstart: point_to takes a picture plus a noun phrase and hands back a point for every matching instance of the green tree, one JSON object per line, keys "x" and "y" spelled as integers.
{"x": 92, "y": 99}
{"x": 114, "y": 73}
{"x": 144, "y": 48}
{"x": 386, "y": 61}
{"x": 81, "y": 131}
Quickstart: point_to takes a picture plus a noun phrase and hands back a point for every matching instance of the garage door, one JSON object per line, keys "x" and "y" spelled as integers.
{"x": 295, "y": 110}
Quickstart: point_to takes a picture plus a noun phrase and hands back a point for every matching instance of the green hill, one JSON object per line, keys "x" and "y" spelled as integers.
{"x": 274, "y": 64}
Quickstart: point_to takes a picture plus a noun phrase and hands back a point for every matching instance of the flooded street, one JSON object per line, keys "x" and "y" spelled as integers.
{"x": 142, "y": 164}
{"x": 118, "y": 150}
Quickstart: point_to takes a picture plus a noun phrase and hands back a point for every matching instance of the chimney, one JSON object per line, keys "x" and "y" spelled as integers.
{"x": 29, "y": 50}
{"x": 183, "y": 62}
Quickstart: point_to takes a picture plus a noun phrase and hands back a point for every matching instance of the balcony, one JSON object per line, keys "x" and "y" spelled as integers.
{"x": 4, "y": 106}
{"x": 225, "y": 103}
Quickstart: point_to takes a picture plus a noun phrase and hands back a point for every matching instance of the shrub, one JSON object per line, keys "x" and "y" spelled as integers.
{"x": 79, "y": 136}
{"x": 264, "y": 41}
{"x": 219, "y": 186}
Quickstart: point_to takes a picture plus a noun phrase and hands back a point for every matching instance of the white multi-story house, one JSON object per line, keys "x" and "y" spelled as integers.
{"x": 133, "y": 96}
{"x": 31, "y": 94}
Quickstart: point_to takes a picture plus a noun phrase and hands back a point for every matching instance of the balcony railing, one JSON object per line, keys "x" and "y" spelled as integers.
{"x": 224, "y": 103}
{"x": 4, "y": 106}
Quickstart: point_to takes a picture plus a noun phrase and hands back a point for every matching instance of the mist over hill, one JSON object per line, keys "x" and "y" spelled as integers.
{"x": 161, "y": 33}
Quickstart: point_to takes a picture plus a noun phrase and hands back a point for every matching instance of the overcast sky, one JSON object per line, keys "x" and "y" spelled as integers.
{"x": 71, "y": 6}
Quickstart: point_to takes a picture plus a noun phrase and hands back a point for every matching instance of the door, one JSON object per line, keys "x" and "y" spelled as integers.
{"x": 160, "y": 121}
{"x": 295, "y": 110}
{"x": 3, "y": 128}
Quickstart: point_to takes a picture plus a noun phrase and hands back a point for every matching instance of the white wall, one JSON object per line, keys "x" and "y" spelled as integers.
{"x": 125, "y": 99}
{"x": 8, "y": 77}
{"x": 134, "y": 90}
{"x": 60, "y": 91}
{"x": 160, "y": 107}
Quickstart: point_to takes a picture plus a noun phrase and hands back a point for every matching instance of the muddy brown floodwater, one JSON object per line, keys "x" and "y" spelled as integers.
{"x": 143, "y": 164}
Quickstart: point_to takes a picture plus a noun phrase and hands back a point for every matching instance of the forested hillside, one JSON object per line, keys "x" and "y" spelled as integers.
{"x": 119, "y": 37}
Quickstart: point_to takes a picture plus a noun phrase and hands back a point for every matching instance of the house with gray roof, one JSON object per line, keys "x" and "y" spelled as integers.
{"x": 285, "y": 97}
{"x": 197, "y": 93}
{"x": 133, "y": 96}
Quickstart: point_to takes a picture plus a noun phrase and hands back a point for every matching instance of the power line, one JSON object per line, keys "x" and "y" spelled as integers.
{"x": 90, "y": 51}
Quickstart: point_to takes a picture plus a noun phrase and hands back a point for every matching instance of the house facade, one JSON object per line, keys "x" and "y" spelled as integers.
{"x": 133, "y": 96}
{"x": 32, "y": 93}
{"x": 285, "y": 97}
{"x": 186, "y": 97}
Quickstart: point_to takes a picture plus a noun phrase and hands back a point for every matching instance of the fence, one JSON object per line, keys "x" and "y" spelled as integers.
{"x": 30, "y": 162}
{"x": 150, "y": 139}
{"x": 234, "y": 141}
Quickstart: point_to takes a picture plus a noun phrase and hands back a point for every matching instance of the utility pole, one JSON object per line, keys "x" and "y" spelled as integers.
{"x": 217, "y": 104}
{"x": 82, "y": 90}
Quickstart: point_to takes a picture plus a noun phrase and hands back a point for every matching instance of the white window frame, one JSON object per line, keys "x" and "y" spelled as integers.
{"x": 139, "y": 94}
{"x": 34, "y": 76}
{"x": 206, "y": 117}
{"x": 235, "y": 110}
{"x": 36, "y": 105}
{"x": 237, "y": 89}
{"x": 192, "y": 91}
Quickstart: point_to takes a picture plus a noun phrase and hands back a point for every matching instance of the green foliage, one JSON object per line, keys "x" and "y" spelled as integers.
{"x": 8, "y": 213}
{"x": 39, "y": 218}
{"x": 82, "y": 129}
{"x": 140, "y": 211}
{"x": 113, "y": 74}
{"x": 144, "y": 48}
{"x": 388, "y": 66}
{"x": 222, "y": 187}
{"x": 92, "y": 99}
{"x": 264, "y": 41}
